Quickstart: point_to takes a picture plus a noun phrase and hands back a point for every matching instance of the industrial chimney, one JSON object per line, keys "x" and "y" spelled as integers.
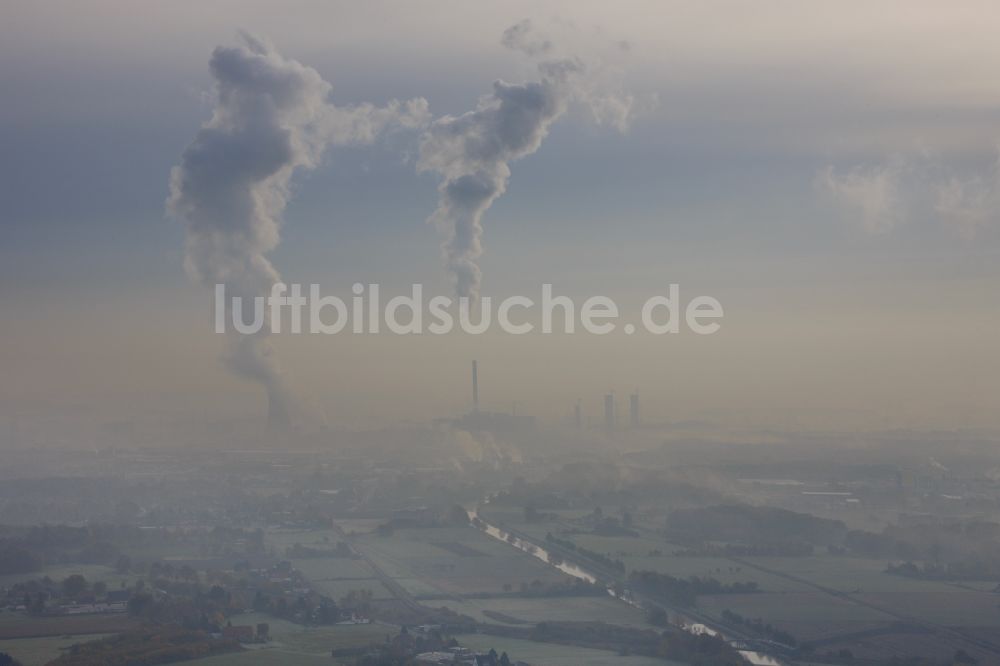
{"x": 609, "y": 410}
{"x": 633, "y": 409}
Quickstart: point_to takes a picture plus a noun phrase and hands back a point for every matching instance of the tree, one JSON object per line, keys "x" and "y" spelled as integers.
{"x": 327, "y": 613}
{"x": 217, "y": 594}
{"x": 656, "y": 616}
{"x": 458, "y": 515}
{"x": 7, "y": 660}
{"x": 73, "y": 586}
{"x": 14, "y": 559}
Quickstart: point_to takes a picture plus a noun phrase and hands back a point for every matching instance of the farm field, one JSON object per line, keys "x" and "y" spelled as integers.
{"x": 844, "y": 574}
{"x": 453, "y": 561}
{"x": 447, "y": 566}
{"x": 296, "y": 645}
{"x": 806, "y": 615}
{"x": 547, "y": 654}
{"x": 337, "y": 588}
{"x": 719, "y": 568}
{"x": 568, "y": 609}
{"x": 887, "y": 646}
{"x": 18, "y": 625}
{"x": 333, "y": 568}
{"x": 359, "y": 525}
{"x": 40, "y": 651}
{"x": 937, "y": 602}
{"x": 92, "y": 572}
{"x": 283, "y": 537}
{"x": 265, "y": 657}
{"x": 513, "y": 518}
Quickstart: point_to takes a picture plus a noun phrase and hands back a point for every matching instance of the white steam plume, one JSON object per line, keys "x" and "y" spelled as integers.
{"x": 472, "y": 152}
{"x": 271, "y": 118}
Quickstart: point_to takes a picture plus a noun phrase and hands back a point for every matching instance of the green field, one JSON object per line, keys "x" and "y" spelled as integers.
{"x": 548, "y": 654}
{"x": 281, "y": 538}
{"x": 312, "y": 647}
{"x": 336, "y": 589}
{"x": 427, "y": 561}
{"x": 863, "y": 579}
{"x": 806, "y": 615}
{"x": 16, "y": 625}
{"x": 39, "y": 651}
{"x": 297, "y": 645}
{"x": 92, "y": 572}
{"x": 789, "y": 599}
{"x": 567, "y": 609}
{"x": 446, "y": 566}
{"x": 333, "y": 568}
{"x": 265, "y": 657}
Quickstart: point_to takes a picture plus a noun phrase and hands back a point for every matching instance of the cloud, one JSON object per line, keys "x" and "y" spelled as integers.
{"x": 970, "y": 204}
{"x": 885, "y": 196}
{"x": 869, "y": 194}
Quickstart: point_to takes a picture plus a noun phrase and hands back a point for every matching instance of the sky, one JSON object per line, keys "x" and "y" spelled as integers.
{"x": 827, "y": 171}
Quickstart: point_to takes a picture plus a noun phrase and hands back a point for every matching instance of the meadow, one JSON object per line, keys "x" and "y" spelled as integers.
{"x": 296, "y": 645}
{"x": 40, "y": 651}
{"x": 420, "y": 562}
{"x": 548, "y": 654}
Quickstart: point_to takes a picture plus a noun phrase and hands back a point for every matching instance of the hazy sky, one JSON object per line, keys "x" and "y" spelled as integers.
{"x": 828, "y": 171}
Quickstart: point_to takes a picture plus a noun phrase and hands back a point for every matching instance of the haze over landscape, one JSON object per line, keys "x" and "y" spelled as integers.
{"x": 782, "y": 171}
{"x": 816, "y": 479}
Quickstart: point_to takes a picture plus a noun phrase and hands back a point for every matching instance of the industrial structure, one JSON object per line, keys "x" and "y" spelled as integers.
{"x": 479, "y": 419}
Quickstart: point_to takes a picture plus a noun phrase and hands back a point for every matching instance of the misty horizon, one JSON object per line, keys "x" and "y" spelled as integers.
{"x": 535, "y": 333}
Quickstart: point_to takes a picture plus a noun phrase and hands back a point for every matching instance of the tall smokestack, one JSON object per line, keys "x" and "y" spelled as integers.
{"x": 475, "y": 386}
{"x": 578, "y": 416}
{"x": 633, "y": 409}
{"x": 609, "y": 410}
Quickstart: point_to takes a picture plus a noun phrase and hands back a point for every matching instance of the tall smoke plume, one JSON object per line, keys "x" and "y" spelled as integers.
{"x": 472, "y": 152}
{"x": 271, "y": 120}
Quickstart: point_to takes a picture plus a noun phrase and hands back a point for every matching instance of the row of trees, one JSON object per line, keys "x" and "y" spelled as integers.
{"x": 594, "y": 557}
{"x": 681, "y": 591}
